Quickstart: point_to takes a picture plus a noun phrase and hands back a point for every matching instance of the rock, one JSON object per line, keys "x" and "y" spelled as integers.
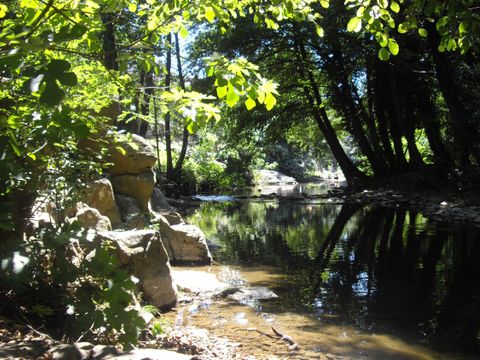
{"x": 148, "y": 354}
{"x": 247, "y": 295}
{"x": 174, "y": 218}
{"x": 91, "y": 218}
{"x": 159, "y": 201}
{"x": 127, "y": 206}
{"x": 137, "y": 221}
{"x": 77, "y": 351}
{"x": 185, "y": 243}
{"x": 198, "y": 281}
{"x": 139, "y": 186}
{"x": 270, "y": 177}
{"x": 143, "y": 253}
{"x": 99, "y": 195}
{"x": 138, "y": 156}
{"x": 102, "y": 351}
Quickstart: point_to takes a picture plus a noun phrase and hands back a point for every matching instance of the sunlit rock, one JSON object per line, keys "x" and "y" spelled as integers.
{"x": 140, "y": 186}
{"x": 271, "y": 177}
{"x": 185, "y": 243}
{"x": 143, "y": 253}
{"x": 99, "y": 195}
{"x": 132, "y": 155}
{"x": 198, "y": 281}
{"x": 91, "y": 218}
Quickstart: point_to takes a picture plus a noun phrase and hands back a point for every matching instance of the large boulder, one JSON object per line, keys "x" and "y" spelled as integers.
{"x": 135, "y": 156}
{"x": 185, "y": 243}
{"x": 140, "y": 186}
{"x": 142, "y": 251}
{"x": 99, "y": 195}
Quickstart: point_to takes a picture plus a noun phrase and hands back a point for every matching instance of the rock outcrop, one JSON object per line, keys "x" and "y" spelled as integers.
{"x": 184, "y": 243}
{"x": 137, "y": 156}
{"x": 99, "y": 195}
{"x": 139, "y": 186}
{"x": 143, "y": 253}
{"x": 131, "y": 171}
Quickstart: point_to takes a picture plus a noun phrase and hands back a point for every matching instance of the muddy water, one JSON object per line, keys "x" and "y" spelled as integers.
{"x": 352, "y": 282}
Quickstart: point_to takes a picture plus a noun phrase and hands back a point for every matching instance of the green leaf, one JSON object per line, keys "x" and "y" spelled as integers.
{"x": 354, "y": 25}
{"x": 3, "y": 10}
{"x": 382, "y": 3}
{"x": 383, "y": 54}
{"x": 68, "y": 78}
{"x": 422, "y": 32}
{"x": 319, "y": 31}
{"x": 57, "y": 66}
{"x": 250, "y": 104}
{"x": 132, "y": 7}
{"x": 209, "y": 14}
{"x": 52, "y": 94}
{"x": 232, "y": 97}
{"x": 325, "y": 3}
{"x": 381, "y": 38}
{"x": 270, "y": 101}
{"x": 462, "y": 28}
{"x": 395, "y": 7}
{"x": 183, "y": 32}
{"x": 221, "y": 91}
{"x": 393, "y": 46}
{"x": 403, "y": 28}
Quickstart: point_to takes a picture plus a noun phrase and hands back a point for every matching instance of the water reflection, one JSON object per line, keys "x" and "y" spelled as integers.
{"x": 370, "y": 269}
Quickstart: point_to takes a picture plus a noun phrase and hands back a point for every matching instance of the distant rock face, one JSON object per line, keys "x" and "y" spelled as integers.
{"x": 143, "y": 253}
{"x": 184, "y": 243}
{"x": 270, "y": 178}
{"x": 138, "y": 156}
{"x": 91, "y": 218}
{"x": 99, "y": 195}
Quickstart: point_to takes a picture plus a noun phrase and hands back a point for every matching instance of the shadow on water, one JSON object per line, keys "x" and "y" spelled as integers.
{"x": 364, "y": 269}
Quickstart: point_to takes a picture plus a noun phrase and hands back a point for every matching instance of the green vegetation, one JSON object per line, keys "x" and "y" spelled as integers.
{"x": 306, "y": 76}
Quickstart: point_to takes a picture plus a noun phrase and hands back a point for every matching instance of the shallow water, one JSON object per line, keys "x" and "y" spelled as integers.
{"x": 353, "y": 282}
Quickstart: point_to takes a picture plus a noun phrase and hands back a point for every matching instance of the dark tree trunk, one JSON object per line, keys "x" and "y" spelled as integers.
{"x": 376, "y": 111}
{"x": 314, "y": 99}
{"x": 110, "y": 61}
{"x": 466, "y": 134}
{"x": 353, "y": 111}
{"x": 386, "y": 102}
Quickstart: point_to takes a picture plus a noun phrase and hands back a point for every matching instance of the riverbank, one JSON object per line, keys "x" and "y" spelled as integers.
{"x": 446, "y": 206}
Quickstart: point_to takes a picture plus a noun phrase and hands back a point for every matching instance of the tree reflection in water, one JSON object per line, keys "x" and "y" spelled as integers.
{"x": 377, "y": 269}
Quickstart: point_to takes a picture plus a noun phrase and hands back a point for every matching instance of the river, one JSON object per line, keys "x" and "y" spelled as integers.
{"x": 353, "y": 281}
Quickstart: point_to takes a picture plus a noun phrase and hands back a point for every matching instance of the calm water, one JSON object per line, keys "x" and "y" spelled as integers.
{"x": 353, "y": 282}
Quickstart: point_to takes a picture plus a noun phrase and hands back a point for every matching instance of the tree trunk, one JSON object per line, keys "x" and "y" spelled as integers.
{"x": 145, "y": 104}
{"x": 183, "y": 151}
{"x": 353, "y": 111}
{"x": 314, "y": 99}
{"x": 466, "y": 134}
{"x": 168, "y": 136}
{"x": 377, "y": 112}
{"x": 110, "y": 61}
